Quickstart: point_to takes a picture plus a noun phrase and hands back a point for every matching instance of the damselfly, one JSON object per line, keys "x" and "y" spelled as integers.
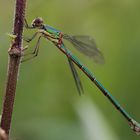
{"x": 85, "y": 45}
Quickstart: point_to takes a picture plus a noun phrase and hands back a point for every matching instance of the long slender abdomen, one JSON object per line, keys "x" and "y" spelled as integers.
{"x": 96, "y": 82}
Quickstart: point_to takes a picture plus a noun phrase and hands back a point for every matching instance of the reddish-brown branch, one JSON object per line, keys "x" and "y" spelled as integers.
{"x": 15, "y": 53}
{"x": 3, "y": 135}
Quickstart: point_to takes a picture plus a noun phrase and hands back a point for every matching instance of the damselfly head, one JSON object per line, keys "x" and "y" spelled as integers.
{"x": 37, "y": 22}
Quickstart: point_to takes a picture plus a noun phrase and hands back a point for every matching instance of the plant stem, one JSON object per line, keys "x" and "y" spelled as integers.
{"x": 3, "y": 135}
{"x": 15, "y": 53}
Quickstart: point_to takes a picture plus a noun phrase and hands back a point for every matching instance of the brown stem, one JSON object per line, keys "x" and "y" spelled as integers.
{"x": 15, "y": 53}
{"x": 3, "y": 135}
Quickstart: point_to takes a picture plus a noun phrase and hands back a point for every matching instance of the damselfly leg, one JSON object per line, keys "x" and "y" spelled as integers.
{"x": 31, "y": 38}
{"x": 35, "y": 51}
{"x": 27, "y": 25}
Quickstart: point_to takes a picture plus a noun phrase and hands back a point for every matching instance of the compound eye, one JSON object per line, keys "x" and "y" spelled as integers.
{"x": 38, "y": 22}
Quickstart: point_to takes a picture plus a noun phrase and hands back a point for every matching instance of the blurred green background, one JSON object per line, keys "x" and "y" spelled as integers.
{"x": 47, "y": 106}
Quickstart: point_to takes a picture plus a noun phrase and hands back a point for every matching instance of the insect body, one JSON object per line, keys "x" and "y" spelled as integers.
{"x": 85, "y": 45}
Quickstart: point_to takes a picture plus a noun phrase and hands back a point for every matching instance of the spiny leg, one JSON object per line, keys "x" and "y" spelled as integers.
{"x": 35, "y": 52}
{"x": 31, "y": 38}
{"x": 28, "y": 40}
{"x": 27, "y": 25}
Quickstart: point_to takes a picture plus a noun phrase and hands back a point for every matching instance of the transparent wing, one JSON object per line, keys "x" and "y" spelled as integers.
{"x": 76, "y": 77}
{"x": 87, "y": 46}
{"x": 75, "y": 74}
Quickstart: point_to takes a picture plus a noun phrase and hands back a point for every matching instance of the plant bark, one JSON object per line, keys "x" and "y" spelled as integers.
{"x": 15, "y": 54}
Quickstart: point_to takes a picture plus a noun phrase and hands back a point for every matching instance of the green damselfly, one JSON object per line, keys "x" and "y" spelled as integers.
{"x": 85, "y": 45}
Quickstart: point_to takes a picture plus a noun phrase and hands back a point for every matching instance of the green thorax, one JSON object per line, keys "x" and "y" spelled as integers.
{"x": 54, "y": 32}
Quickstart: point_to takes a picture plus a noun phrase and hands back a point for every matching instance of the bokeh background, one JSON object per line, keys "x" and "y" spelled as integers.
{"x": 47, "y": 105}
